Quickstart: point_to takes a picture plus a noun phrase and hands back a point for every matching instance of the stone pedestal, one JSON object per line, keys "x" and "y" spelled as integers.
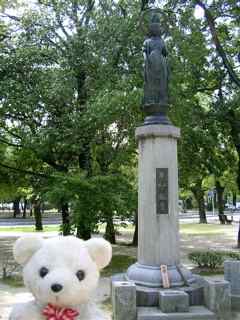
{"x": 232, "y": 274}
{"x": 217, "y": 298}
{"x": 142, "y": 293}
{"x": 124, "y": 300}
{"x": 158, "y": 242}
{"x": 195, "y": 313}
{"x": 173, "y": 301}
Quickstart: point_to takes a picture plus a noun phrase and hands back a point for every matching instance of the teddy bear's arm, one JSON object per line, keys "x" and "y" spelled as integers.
{"x": 26, "y": 311}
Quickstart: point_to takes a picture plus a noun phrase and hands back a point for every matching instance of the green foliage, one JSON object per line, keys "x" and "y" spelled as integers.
{"x": 208, "y": 259}
{"x": 15, "y": 282}
{"x": 71, "y": 85}
{"x": 212, "y": 259}
{"x": 94, "y": 198}
{"x": 233, "y": 255}
{"x": 72, "y": 104}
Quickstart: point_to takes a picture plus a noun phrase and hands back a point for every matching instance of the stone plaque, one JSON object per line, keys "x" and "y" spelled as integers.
{"x": 162, "y": 190}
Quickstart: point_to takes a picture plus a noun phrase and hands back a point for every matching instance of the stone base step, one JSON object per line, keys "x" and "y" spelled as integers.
{"x": 195, "y": 313}
{"x": 235, "y": 302}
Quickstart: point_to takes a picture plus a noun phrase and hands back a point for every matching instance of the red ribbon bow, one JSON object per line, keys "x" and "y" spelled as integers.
{"x": 56, "y": 313}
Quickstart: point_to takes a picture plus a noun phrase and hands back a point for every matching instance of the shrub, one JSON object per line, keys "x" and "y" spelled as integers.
{"x": 212, "y": 259}
{"x": 233, "y": 255}
{"x": 207, "y": 259}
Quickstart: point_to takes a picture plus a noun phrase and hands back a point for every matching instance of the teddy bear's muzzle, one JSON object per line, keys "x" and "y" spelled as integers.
{"x": 56, "y": 287}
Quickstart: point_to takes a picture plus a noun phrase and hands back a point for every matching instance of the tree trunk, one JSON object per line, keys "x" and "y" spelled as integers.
{"x": 199, "y": 195}
{"x": 31, "y": 210}
{"x": 24, "y": 209}
{"x": 233, "y": 119}
{"x": 83, "y": 229}
{"x": 238, "y": 177}
{"x": 37, "y": 215}
{"x": 215, "y": 199}
{"x": 110, "y": 233}
{"x": 202, "y": 211}
{"x": 220, "y": 191}
{"x": 16, "y": 207}
{"x": 66, "y": 226}
{"x": 43, "y": 208}
{"x": 135, "y": 235}
{"x": 234, "y": 199}
{"x": 84, "y": 224}
{"x": 238, "y": 239}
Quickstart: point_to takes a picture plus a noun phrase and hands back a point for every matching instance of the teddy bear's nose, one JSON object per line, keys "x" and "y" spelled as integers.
{"x": 56, "y": 287}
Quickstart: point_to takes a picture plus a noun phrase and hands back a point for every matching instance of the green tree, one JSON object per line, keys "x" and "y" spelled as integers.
{"x": 56, "y": 78}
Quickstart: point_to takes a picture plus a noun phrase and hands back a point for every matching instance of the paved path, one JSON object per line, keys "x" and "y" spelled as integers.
{"x": 14, "y": 222}
{"x": 10, "y": 296}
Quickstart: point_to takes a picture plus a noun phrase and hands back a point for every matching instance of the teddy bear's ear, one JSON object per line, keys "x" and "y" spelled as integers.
{"x": 25, "y": 247}
{"x": 100, "y": 250}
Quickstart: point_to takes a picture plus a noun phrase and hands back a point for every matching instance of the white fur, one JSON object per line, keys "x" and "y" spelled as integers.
{"x": 100, "y": 250}
{"x": 25, "y": 247}
{"x": 63, "y": 257}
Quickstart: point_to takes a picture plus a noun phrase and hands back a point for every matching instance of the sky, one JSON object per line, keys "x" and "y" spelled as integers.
{"x": 198, "y": 13}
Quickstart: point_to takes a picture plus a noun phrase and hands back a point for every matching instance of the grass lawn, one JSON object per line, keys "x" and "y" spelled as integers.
{"x": 46, "y": 228}
{"x": 185, "y": 228}
{"x": 204, "y": 229}
{"x": 119, "y": 264}
{"x": 15, "y": 282}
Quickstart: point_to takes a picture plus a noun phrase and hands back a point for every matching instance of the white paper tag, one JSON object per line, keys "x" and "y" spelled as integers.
{"x": 165, "y": 278}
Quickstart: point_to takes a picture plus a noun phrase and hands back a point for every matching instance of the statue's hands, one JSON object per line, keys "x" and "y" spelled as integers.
{"x": 164, "y": 51}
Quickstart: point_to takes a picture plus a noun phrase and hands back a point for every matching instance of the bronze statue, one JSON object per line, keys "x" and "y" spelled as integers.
{"x": 156, "y": 75}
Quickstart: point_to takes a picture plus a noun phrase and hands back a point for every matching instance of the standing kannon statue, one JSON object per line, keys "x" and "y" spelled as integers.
{"x": 156, "y": 75}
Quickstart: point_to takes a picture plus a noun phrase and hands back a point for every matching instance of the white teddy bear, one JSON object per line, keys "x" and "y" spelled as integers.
{"x": 61, "y": 273}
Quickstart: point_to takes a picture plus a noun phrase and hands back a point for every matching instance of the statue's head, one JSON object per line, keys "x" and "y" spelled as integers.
{"x": 154, "y": 27}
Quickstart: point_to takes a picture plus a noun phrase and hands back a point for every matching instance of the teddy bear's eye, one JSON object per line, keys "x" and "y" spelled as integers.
{"x": 43, "y": 272}
{"x": 80, "y": 275}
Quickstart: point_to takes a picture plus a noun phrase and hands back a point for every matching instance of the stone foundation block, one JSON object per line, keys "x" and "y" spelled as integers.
{"x": 232, "y": 274}
{"x": 195, "y": 295}
{"x": 195, "y": 313}
{"x": 124, "y": 300}
{"x": 235, "y": 302}
{"x": 217, "y": 298}
{"x": 173, "y": 301}
{"x": 147, "y": 297}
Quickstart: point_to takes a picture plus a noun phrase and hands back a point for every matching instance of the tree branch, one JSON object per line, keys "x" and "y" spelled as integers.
{"x": 211, "y": 23}
{"x": 86, "y": 14}
{"x": 54, "y": 44}
{"x": 75, "y": 12}
{"x": 60, "y": 38}
{"x": 5, "y": 15}
{"x": 59, "y": 20}
{"x": 10, "y": 143}
{"x": 28, "y": 172}
{"x": 60, "y": 24}
{"x": 11, "y": 133}
{"x": 144, "y": 5}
